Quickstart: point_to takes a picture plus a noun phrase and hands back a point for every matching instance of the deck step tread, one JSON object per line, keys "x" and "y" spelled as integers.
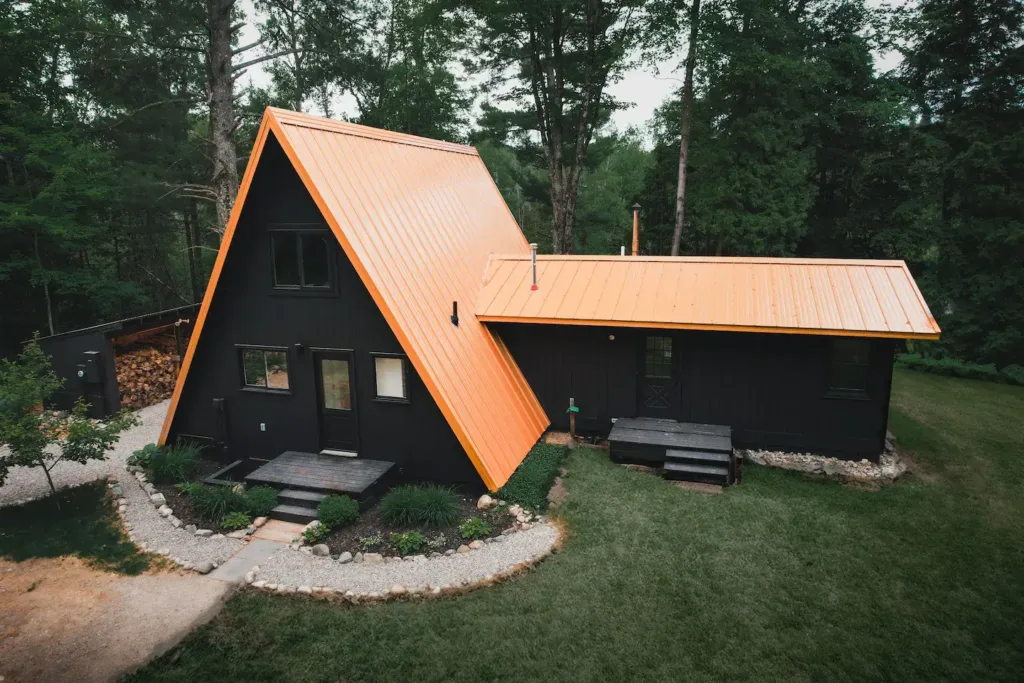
{"x": 306, "y": 496}
{"x": 696, "y": 469}
{"x": 670, "y": 439}
{"x": 293, "y": 513}
{"x": 716, "y": 456}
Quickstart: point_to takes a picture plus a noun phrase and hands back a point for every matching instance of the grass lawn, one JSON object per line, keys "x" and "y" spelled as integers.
{"x": 85, "y": 525}
{"x": 783, "y": 578}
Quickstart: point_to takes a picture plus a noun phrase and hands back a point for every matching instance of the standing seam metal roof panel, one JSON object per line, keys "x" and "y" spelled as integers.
{"x": 859, "y": 298}
{"x": 418, "y": 219}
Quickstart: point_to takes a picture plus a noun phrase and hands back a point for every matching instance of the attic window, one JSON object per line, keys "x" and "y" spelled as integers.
{"x": 301, "y": 259}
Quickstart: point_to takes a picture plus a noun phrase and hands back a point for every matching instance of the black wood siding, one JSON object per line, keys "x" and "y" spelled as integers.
{"x": 247, "y": 310}
{"x": 770, "y": 388}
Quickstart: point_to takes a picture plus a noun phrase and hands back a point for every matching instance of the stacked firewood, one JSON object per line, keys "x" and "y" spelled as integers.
{"x": 146, "y": 375}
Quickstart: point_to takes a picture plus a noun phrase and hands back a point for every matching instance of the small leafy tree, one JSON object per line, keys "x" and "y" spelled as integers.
{"x": 36, "y": 437}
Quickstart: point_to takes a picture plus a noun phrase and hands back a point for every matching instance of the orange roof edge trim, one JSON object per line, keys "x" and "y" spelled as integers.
{"x": 710, "y": 328}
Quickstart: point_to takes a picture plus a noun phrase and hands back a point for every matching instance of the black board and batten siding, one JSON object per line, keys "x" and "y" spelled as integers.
{"x": 248, "y": 310}
{"x": 771, "y": 389}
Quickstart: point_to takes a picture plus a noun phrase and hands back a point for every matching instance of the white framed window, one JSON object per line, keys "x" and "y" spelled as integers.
{"x": 391, "y": 381}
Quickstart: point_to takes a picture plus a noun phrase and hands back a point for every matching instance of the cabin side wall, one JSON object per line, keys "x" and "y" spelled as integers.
{"x": 772, "y": 389}
{"x": 247, "y": 310}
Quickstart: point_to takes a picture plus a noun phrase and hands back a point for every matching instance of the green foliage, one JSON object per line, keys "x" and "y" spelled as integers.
{"x": 474, "y": 527}
{"x": 437, "y": 542}
{"x": 81, "y": 522}
{"x": 189, "y": 488}
{"x": 260, "y": 500}
{"x": 1011, "y": 374}
{"x": 25, "y": 385}
{"x": 337, "y": 511}
{"x": 213, "y": 503}
{"x": 173, "y": 464}
{"x": 370, "y": 542}
{"x": 426, "y": 504}
{"x": 142, "y": 457}
{"x": 316, "y": 533}
{"x": 530, "y": 483}
{"x": 408, "y": 542}
{"x": 236, "y": 520}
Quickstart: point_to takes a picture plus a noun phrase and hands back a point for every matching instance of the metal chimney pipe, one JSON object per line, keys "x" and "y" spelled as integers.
{"x": 636, "y": 229}
{"x": 533, "y": 262}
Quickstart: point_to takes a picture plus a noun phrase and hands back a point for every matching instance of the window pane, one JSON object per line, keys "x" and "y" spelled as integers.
{"x": 286, "y": 259}
{"x": 277, "y": 369}
{"x": 848, "y": 368}
{"x": 658, "y": 357}
{"x": 255, "y": 370}
{"x": 314, "y": 261}
{"x": 336, "y": 387}
{"x": 390, "y": 377}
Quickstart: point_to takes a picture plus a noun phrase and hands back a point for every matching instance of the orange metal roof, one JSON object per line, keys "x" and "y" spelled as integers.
{"x": 418, "y": 219}
{"x": 797, "y": 296}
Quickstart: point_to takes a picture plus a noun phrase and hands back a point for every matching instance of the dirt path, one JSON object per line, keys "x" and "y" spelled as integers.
{"x": 62, "y": 621}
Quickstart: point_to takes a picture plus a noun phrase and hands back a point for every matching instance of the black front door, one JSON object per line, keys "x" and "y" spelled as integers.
{"x": 659, "y": 388}
{"x": 339, "y": 426}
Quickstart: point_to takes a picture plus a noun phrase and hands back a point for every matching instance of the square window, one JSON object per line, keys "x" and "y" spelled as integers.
{"x": 265, "y": 369}
{"x": 301, "y": 259}
{"x": 848, "y": 366}
{"x": 658, "y": 357}
{"x": 390, "y": 373}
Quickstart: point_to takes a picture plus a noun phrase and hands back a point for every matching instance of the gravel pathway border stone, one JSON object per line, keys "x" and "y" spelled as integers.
{"x": 373, "y": 577}
{"x": 889, "y": 467}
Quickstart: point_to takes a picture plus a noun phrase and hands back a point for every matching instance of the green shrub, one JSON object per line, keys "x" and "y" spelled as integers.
{"x": 408, "y": 542}
{"x": 236, "y": 520}
{"x": 188, "y": 488}
{"x": 1011, "y": 374}
{"x": 420, "y": 504}
{"x": 337, "y": 511}
{"x": 316, "y": 533}
{"x": 474, "y": 527}
{"x": 213, "y": 503}
{"x": 437, "y": 542}
{"x": 143, "y": 456}
{"x": 371, "y": 542}
{"x": 530, "y": 483}
{"x": 173, "y": 464}
{"x": 260, "y": 500}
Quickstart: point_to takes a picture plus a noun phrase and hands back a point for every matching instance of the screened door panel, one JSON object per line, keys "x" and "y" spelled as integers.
{"x": 339, "y": 424}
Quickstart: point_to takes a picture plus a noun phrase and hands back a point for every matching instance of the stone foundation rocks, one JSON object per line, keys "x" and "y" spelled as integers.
{"x": 890, "y": 466}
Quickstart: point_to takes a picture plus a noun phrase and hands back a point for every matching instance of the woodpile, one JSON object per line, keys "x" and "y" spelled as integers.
{"x": 147, "y": 370}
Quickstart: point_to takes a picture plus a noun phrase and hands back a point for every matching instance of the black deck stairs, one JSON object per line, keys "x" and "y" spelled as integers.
{"x": 685, "y": 451}
{"x": 305, "y": 479}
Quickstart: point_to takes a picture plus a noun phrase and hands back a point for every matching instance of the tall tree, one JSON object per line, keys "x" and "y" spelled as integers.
{"x": 684, "y": 138}
{"x": 560, "y": 56}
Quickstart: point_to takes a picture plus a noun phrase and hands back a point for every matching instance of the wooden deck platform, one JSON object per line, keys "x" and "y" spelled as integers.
{"x": 323, "y": 473}
{"x": 684, "y": 450}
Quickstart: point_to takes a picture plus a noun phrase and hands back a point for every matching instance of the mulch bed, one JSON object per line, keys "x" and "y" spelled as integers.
{"x": 369, "y": 524}
{"x": 182, "y": 505}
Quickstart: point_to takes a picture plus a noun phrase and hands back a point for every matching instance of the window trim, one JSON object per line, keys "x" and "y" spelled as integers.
{"x": 240, "y": 350}
{"x": 845, "y": 393}
{"x": 301, "y": 230}
{"x": 405, "y": 377}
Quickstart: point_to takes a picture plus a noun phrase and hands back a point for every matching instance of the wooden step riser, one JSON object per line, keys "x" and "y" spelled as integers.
{"x": 290, "y": 513}
{"x": 698, "y": 478}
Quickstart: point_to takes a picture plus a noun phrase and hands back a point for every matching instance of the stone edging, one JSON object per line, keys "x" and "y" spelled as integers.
{"x": 398, "y": 591}
{"x": 889, "y": 468}
{"x": 160, "y": 503}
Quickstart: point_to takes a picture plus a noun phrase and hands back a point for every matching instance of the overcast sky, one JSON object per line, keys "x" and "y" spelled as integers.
{"x": 644, "y": 89}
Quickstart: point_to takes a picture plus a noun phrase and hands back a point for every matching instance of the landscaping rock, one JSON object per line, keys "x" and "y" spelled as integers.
{"x": 515, "y": 510}
{"x": 345, "y": 557}
{"x": 237, "y": 534}
{"x": 372, "y": 558}
{"x": 259, "y": 584}
{"x": 449, "y": 552}
{"x": 475, "y": 545}
{"x": 204, "y": 567}
{"x": 204, "y": 533}
{"x": 216, "y": 536}
{"x": 158, "y": 499}
{"x": 358, "y": 558}
{"x": 250, "y": 577}
{"x": 436, "y": 590}
{"x": 165, "y": 511}
{"x": 175, "y": 522}
{"x": 122, "y": 509}
{"x": 321, "y": 550}
{"x": 397, "y": 589}
{"x": 463, "y": 548}
{"x": 259, "y": 521}
{"x": 122, "y": 501}
{"x": 307, "y": 590}
{"x": 484, "y": 502}
{"x": 306, "y": 549}
{"x": 191, "y": 528}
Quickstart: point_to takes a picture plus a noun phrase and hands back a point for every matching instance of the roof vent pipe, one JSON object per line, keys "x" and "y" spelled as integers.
{"x": 636, "y": 229}
{"x": 533, "y": 263}
{"x": 622, "y": 250}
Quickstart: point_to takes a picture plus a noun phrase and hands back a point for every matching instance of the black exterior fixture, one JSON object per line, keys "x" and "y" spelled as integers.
{"x": 455, "y": 313}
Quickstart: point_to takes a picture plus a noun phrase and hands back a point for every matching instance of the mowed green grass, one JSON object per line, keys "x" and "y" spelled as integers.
{"x": 78, "y": 521}
{"x": 783, "y": 578}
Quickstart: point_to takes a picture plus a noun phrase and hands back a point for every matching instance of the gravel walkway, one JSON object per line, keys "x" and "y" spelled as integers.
{"x": 294, "y": 569}
{"x": 28, "y": 483}
{"x": 149, "y": 528}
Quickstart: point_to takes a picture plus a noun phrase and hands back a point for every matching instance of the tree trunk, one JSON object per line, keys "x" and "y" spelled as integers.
{"x": 220, "y": 81}
{"x": 684, "y": 140}
{"x": 46, "y": 282}
{"x": 192, "y": 247}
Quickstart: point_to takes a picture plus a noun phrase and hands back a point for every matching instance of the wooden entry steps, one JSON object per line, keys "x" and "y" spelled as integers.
{"x": 686, "y": 451}
{"x": 305, "y": 479}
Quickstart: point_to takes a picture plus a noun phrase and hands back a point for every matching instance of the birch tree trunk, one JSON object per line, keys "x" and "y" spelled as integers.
{"x": 684, "y": 141}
